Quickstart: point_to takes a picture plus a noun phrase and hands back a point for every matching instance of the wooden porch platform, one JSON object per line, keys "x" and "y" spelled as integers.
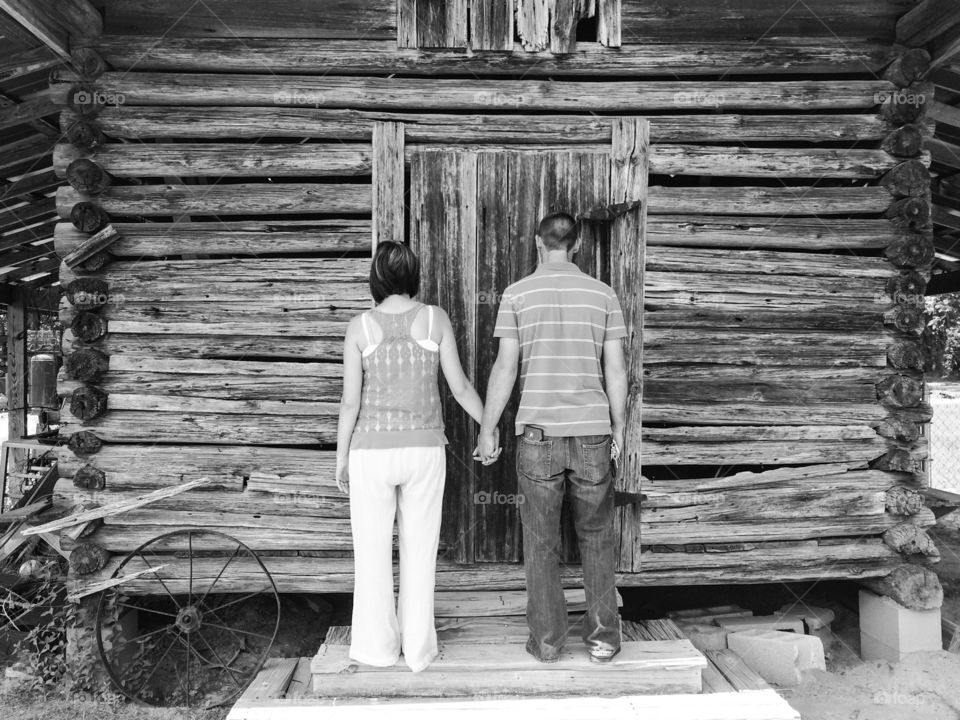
{"x": 483, "y": 671}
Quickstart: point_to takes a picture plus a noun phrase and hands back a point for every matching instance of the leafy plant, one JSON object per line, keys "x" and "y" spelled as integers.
{"x": 942, "y": 335}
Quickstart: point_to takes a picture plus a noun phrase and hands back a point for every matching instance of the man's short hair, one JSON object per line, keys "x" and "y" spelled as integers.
{"x": 558, "y": 231}
{"x": 395, "y": 270}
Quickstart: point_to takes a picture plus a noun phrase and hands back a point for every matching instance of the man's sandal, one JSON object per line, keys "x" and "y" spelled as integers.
{"x": 603, "y": 655}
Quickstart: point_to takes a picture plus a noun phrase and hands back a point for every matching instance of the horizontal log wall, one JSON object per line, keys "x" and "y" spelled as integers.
{"x": 235, "y": 160}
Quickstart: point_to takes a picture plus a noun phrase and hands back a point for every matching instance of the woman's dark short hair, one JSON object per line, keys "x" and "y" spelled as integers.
{"x": 395, "y": 270}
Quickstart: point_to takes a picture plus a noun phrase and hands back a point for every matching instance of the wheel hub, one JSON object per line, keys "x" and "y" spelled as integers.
{"x": 189, "y": 618}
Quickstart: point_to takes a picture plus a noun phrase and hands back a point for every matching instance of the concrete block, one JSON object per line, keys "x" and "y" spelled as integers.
{"x": 814, "y": 618}
{"x": 704, "y": 636}
{"x": 888, "y": 630}
{"x": 762, "y": 622}
{"x": 778, "y": 656}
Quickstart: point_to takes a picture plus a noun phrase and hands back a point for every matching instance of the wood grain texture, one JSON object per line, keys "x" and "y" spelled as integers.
{"x": 319, "y": 91}
{"x": 389, "y": 217}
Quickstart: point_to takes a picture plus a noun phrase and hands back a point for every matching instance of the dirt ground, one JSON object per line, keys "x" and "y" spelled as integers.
{"x": 924, "y": 686}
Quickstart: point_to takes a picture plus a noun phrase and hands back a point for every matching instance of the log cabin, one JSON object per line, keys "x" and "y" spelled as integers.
{"x": 230, "y": 166}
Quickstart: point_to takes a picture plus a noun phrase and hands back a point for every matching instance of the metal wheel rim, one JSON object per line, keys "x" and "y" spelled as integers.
{"x": 112, "y": 593}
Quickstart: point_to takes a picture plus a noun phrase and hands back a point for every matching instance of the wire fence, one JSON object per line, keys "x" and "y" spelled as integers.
{"x": 945, "y": 436}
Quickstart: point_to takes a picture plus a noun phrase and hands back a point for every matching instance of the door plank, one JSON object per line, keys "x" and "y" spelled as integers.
{"x": 628, "y": 170}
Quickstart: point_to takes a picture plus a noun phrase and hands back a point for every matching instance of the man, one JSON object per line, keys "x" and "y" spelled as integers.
{"x": 561, "y": 324}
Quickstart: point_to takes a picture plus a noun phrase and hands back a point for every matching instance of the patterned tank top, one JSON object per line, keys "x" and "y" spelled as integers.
{"x": 399, "y": 399}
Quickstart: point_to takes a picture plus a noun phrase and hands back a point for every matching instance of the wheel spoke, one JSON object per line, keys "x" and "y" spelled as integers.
{"x": 245, "y": 632}
{"x": 144, "y": 609}
{"x": 229, "y": 560}
{"x": 141, "y": 638}
{"x": 140, "y": 554}
{"x": 234, "y": 602}
{"x": 189, "y": 653}
{"x": 190, "y": 580}
{"x": 155, "y": 666}
{"x": 220, "y": 660}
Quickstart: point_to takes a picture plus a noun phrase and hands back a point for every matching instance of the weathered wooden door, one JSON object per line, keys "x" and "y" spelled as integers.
{"x": 473, "y": 217}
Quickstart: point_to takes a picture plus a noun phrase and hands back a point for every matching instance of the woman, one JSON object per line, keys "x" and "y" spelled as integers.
{"x": 391, "y": 460}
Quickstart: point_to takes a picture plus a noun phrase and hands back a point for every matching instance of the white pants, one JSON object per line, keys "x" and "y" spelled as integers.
{"x": 408, "y": 482}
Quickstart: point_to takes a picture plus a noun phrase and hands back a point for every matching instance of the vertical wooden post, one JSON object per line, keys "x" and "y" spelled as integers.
{"x": 388, "y": 207}
{"x": 17, "y": 368}
{"x": 629, "y": 164}
{"x": 608, "y": 23}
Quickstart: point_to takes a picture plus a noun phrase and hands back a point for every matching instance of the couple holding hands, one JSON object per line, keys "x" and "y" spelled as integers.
{"x": 562, "y": 330}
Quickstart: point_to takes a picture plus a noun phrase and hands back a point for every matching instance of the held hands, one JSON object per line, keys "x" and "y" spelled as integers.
{"x": 488, "y": 447}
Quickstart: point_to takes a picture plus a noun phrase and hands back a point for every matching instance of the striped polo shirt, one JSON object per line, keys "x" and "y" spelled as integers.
{"x": 561, "y": 318}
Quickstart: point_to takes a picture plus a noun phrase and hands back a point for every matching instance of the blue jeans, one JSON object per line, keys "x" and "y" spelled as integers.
{"x": 545, "y": 468}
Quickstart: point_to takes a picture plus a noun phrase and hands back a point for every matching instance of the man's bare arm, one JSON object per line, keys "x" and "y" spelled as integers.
{"x": 615, "y": 380}
{"x": 499, "y": 388}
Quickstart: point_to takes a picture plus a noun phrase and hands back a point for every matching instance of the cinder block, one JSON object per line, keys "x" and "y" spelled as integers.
{"x": 888, "y": 630}
{"x": 777, "y": 656}
{"x": 790, "y": 623}
{"x": 815, "y": 618}
{"x": 704, "y": 636}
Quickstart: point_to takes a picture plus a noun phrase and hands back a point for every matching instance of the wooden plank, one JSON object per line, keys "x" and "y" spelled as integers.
{"x": 298, "y": 198}
{"x": 253, "y": 237}
{"x": 296, "y": 160}
{"x": 115, "y": 508}
{"x": 247, "y": 18}
{"x": 272, "y": 680}
{"x": 241, "y": 199}
{"x": 389, "y": 210}
{"x": 40, "y": 18}
{"x": 750, "y": 20}
{"x": 146, "y": 88}
{"x": 27, "y": 61}
{"x": 239, "y": 160}
{"x": 492, "y": 29}
{"x": 491, "y": 24}
{"x": 749, "y": 234}
{"x": 714, "y": 681}
{"x": 925, "y": 21}
{"x": 758, "y": 705}
{"x": 784, "y": 562}
{"x": 441, "y": 23}
{"x": 301, "y": 682}
{"x": 215, "y": 123}
{"x": 134, "y": 468}
{"x": 113, "y": 582}
{"x": 467, "y": 604}
{"x": 735, "y": 671}
{"x": 608, "y": 23}
{"x": 443, "y": 225}
{"x": 468, "y": 669}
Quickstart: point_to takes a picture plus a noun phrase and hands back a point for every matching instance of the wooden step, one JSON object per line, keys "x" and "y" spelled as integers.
{"x": 756, "y": 705}
{"x": 467, "y": 669}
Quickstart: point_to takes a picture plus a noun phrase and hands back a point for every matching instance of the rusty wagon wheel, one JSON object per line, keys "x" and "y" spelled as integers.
{"x": 188, "y": 643}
